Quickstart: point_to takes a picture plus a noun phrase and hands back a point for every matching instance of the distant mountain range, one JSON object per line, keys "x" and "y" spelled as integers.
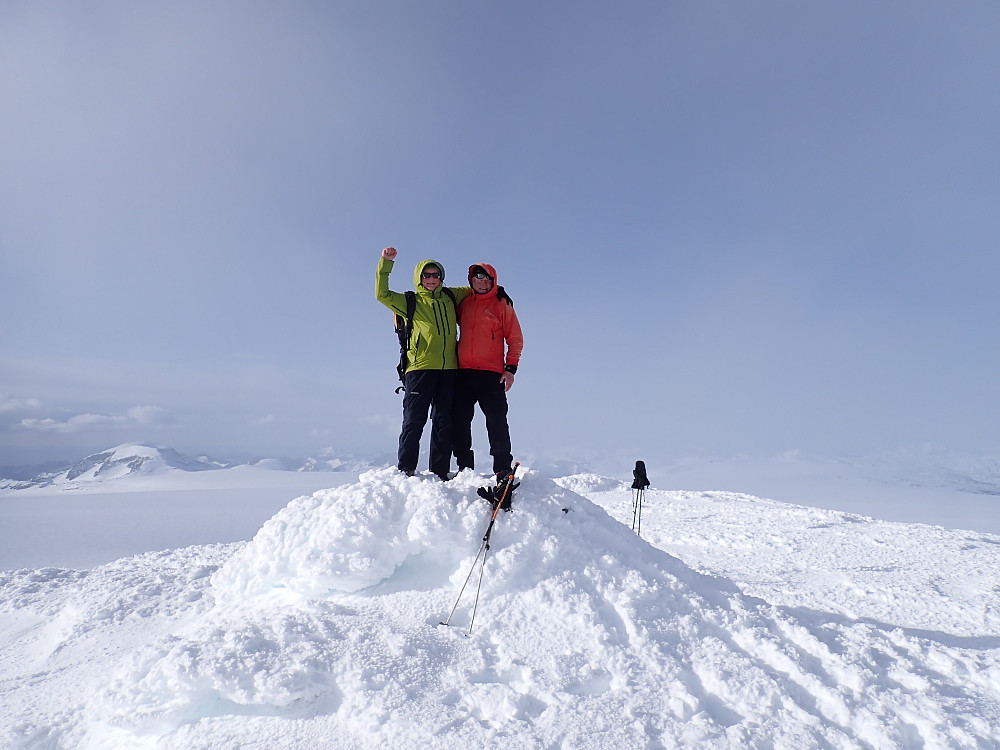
{"x": 784, "y": 476}
{"x": 143, "y": 459}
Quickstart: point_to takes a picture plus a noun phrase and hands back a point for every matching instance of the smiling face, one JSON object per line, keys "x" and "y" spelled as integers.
{"x": 430, "y": 278}
{"x": 481, "y": 281}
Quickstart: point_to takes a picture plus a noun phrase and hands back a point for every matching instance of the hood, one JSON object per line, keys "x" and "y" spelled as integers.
{"x": 490, "y": 270}
{"x": 418, "y": 271}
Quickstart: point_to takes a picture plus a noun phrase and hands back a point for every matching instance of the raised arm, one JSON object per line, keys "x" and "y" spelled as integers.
{"x": 395, "y": 301}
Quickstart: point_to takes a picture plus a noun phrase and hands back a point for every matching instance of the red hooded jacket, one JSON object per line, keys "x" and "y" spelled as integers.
{"x": 485, "y": 324}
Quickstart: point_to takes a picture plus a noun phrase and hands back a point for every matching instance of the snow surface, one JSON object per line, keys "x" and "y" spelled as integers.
{"x": 952, "y": 490}
{"x": 83, "y": 524}
{"x": 732, "y": 622}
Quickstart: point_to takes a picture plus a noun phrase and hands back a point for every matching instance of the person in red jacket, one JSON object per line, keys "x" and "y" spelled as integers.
{"x": 485, "y": 371}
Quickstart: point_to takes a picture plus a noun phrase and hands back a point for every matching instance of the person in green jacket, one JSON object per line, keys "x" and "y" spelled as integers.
{"x": 432, "y": 361}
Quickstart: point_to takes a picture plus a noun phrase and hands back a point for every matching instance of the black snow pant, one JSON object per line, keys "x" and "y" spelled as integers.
{"x": 485, "y": 388}
{"x": 425, "y": 389}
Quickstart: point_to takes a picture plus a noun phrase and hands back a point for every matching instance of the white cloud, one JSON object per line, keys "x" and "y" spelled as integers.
{"x": 10, "y": 404}
{"x": 45, "y": 425}
{"x": 137, "y": 415}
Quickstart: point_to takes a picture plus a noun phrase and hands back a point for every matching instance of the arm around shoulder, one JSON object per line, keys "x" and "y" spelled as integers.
{"x": 460, "y": 292}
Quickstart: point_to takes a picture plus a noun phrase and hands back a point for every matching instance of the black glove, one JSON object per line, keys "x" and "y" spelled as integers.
{"x": 640, "y": 482}
{"x": 493, "y": 495}
{"x": 505, "y": 489}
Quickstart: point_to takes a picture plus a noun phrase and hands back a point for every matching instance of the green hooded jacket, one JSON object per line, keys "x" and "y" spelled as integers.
{"x": 433, "y": 345}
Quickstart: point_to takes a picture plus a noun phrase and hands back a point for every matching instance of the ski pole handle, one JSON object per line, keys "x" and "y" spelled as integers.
{"x": 506, "y": 489}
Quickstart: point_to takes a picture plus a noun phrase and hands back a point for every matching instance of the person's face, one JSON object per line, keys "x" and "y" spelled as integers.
{"x": 481, "y": 283}
{"x": 430, "y": 279}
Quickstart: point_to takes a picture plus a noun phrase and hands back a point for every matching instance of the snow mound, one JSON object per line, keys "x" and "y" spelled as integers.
{"x": 326, "y": 626}
{"x": 352, "y": 537}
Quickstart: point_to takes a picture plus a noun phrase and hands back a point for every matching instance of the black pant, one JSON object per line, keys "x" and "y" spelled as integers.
{"x": 434, "y": 389}
{"x": 485, "y": 388}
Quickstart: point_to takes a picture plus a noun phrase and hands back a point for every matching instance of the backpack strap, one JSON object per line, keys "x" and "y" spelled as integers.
{"x": 404, "y": 330}
{"x": 502, "y": 294}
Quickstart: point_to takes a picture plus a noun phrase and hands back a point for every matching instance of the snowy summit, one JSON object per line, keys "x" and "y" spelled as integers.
{"x": 323, "y": 631}
{"x": 131, "y": 460}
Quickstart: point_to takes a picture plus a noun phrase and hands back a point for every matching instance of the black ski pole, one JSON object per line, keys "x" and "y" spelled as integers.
{"x": 640, "y": 483}
{"x": 486, "y": 541}
{"x": 483, "y": 550}
{"x": 462, "y": 590}
{"x": 635, "y": 506}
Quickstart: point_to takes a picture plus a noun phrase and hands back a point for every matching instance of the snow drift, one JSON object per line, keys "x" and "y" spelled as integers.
{"x": 323, "y": 632}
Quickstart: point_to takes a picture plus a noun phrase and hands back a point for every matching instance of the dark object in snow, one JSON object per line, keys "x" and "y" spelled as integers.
{"x": 639, "y": 485}
{"x": 641, "y": 481}
{"x": 502, "y": 493}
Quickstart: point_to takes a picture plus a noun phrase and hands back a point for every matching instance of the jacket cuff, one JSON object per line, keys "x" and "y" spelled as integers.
{"x": 512, "y": 369}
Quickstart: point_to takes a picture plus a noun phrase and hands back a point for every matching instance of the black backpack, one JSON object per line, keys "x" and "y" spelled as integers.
{"x": 404, "y": 326}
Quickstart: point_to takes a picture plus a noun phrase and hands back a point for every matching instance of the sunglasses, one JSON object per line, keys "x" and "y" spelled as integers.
{"x": 481, "y": 275}
{"x": 431, "y": 275}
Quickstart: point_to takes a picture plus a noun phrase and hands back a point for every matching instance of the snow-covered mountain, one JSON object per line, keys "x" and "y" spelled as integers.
{"x": 733, "y": 622}
{"x": 128, "y": 460}
{"x": 133, "y": 460}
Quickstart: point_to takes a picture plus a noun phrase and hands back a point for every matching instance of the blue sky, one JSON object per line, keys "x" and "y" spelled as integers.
{"x": 727, "y": 227}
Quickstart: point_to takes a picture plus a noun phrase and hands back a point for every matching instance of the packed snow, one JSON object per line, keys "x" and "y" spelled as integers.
{"x": 731, "y": 622}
